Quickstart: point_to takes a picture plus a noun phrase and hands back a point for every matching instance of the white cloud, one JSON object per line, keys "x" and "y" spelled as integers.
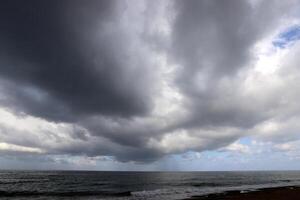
{"x": 5, "y": 147}
{"x": 237, "y": 147}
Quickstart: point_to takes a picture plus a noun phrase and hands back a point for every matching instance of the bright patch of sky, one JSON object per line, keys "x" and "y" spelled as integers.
{"x": 287, "y": 37}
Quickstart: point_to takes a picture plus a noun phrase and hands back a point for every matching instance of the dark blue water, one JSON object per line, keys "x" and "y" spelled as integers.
{"x": 134, "y": 185}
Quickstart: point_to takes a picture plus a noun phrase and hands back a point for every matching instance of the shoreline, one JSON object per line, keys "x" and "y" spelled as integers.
{"x": 277, "y": 193}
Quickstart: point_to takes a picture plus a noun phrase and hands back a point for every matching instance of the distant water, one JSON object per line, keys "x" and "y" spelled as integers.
{"x": 134, "y": 185}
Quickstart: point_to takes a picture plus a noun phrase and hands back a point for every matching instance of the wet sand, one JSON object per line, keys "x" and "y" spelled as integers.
{"x": 283, "y": 193}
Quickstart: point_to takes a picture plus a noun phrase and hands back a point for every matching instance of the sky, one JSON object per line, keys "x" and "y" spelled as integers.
{"x": 150, "y": 85}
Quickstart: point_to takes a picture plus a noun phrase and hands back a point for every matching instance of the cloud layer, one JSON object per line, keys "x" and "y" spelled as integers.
{"x": 140, "y": 80}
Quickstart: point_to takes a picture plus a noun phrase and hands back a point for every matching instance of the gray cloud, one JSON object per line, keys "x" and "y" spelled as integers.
{"x": 213, "y": 42}
{"x": 73, "y": 56}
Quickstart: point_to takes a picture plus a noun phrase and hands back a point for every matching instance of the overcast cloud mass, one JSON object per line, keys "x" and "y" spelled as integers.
{"x": 137, "y": 82}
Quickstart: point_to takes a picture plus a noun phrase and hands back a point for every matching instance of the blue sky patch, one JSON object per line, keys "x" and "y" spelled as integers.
{"x": 287, "y": 37}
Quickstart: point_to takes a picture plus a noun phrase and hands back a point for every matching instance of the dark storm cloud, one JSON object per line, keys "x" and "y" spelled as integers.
{"x": 61, "y": 52}
{"x": 65, "y": 61}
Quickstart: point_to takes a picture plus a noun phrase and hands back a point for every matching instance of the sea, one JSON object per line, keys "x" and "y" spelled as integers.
{"x": 90, "y": 185}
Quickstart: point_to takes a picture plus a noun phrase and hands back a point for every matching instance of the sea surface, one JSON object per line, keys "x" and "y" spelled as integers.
{"x": 134, "y": 185}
